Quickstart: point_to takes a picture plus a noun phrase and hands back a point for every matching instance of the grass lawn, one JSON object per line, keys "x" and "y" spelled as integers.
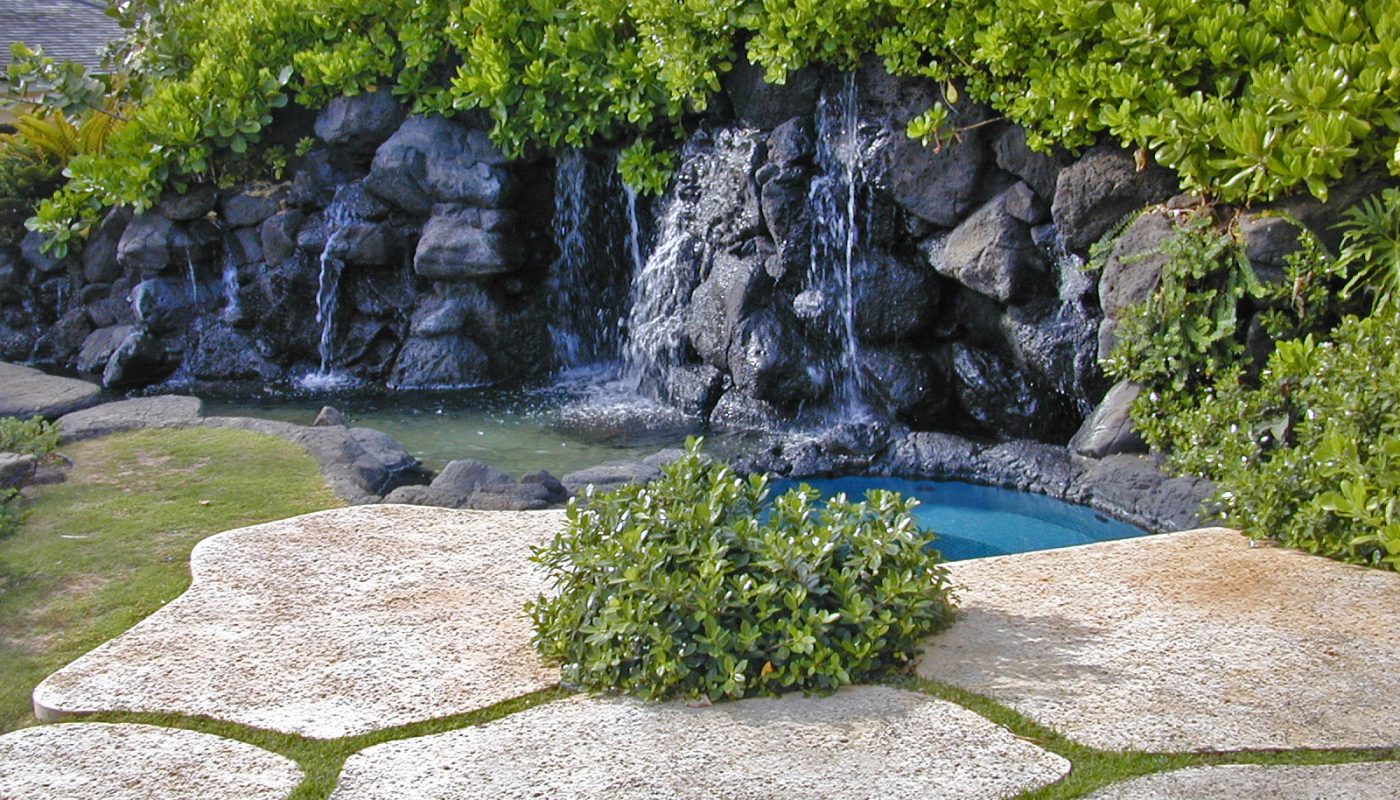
{"x": 100, "y": 552}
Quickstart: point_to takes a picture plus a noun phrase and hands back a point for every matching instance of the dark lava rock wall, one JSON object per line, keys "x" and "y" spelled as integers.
{"x": 970, "y": 307}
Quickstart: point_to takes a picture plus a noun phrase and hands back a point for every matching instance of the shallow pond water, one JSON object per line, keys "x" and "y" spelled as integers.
{"x": 560, "y": 428}
{"x": 972, "y": 521}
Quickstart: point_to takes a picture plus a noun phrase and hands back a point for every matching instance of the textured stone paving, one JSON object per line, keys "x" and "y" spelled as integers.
{"x": 26, "y": 392}
{"x": 332, "y": 624}
{"x": 1185, "y": 641}
{"x": 83, "y": 761}
{"x": 867, "y": 742}
{"x": 1379, "y": 781}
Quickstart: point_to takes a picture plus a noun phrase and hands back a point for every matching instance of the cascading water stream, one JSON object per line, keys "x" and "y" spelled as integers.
{"x": 660, "y": 292}
{"x": 338, "y": 216}
{"x": 587, "y": 285}
{"x": 836, "y": 255}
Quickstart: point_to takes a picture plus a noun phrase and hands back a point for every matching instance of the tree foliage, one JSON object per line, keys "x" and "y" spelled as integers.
{"x": 1243, "y": 100}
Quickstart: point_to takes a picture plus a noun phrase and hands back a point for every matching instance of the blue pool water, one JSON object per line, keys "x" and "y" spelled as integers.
{"x": 973, "y": 521}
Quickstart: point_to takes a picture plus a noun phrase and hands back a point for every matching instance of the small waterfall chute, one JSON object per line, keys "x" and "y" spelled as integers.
{"x": 837, "y": 252}
{"x": 338, "y": 217}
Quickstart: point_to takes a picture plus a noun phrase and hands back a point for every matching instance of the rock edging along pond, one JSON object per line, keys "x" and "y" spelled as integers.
{"x": 808, "y": 260}
{"x": 367, "y": 466}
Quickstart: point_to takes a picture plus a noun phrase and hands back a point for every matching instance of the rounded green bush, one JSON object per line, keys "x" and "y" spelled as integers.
{"x": 695, "y": 586}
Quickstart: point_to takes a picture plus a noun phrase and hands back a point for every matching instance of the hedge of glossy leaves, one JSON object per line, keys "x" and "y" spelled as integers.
{"x": 1310, "y": 456}
{"x": 1243, "y": 100}
{"x": 691, "y": 586}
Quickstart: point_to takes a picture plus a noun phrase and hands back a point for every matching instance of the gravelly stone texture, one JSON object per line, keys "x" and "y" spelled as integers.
{"x": 137, "y": 762}
{"x": 332, "y": 624}
{"x": 862, "y": 742}
{"x": 1185, "y": 641}
{"x": 1373, "y": 781}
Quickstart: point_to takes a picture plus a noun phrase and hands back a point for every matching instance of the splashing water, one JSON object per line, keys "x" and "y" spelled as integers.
{"x": 587, "y": 282}
{"x": 837, "y": 255}
{"x": 339, "y": 215}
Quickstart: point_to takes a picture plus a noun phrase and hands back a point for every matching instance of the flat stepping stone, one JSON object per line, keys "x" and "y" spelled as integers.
{"x": 137, "y": 762}
{"x": 26, "y": 392}
{"x": 1368, "y": 781}
{"x": 160, "y": 411}
{"x": 332, "y": 624}
{"x": 1184, "y": 641}
{"x": 866, "y": 742}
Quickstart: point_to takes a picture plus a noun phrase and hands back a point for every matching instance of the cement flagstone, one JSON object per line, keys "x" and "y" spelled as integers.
{"x": 1186, "y": 641}
{"x": 862, "y": 742}
{"x": 332, "y": 624}
{"x": 82, "y": 761}
{"x": 1367, "y": 781}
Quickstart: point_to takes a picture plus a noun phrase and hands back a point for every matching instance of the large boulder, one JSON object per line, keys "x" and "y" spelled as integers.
{"x": 451, "y": 248}
{"x": 59, "y": 345}
{"x": 766, "y": 105}
{"x": 894, "y": 300}
{"x": 153, "y": 243}
{"x": 31, "y": 252}
{"x": 366, "y": 244}
{"x": 359, "y": 123}
{"x": 735, "y": 286}
{"x": 453, "y": 361}
{"x": 784, "y": 202}
{"x": 278, "y": 236}
{"x": 937, "y": 184}
{"x": 16, "y": 469}
{"x": 768, "y": 362}
{"x": 100, "y": 263}
{"x": 1003, "y": 400}
{"x": 993, "y": 253}
{"x": 26, "y": 392}
{"x": 194, "y": 204}
{"x": 1268, "y": 241}
{"x": 99, "y": 346}
{"x": 1101, "y": 188}
{"x": 1134, "y": 264}
{"x": 1109, "y": 429}
{"x": 164, "y": 305}
{"x": 430, "y": 160}
{"x": 912, "y": 386}
{"x": 139, "y": 360}
{"x": 225, "y": 354}
{"x": 248, "y": 208}
{"x": 1057, "y": 344}
{"x": 1041, "y": 171}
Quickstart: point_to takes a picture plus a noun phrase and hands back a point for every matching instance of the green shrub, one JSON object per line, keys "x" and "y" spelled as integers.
{"x": 692, "y": 586}
{"x": 1311, "y": 455}
{"x": 32, "y": 436}
{"x": 1371, "y": 247}
{"x": 1242, "y": 100}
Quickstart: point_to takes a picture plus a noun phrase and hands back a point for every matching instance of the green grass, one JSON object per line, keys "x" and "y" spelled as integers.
{"x": 1093, "y": 769}
{"x": 102, "y": 551}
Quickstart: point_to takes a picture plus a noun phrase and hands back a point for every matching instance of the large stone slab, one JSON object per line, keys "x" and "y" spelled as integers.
{"x": 332, "y": 624}
{"x": 137, "y": 762}
{"x": 861, "y": 742}
{"x": 160, "y": 411}
{"x": 1367, "y": 781}
{"x": 26, "y": 392}
{"x": 1185, "y": 641}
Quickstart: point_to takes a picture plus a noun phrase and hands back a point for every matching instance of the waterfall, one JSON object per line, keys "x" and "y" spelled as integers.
{"x": 588, "y": 281}
{"x": 193, "y": 281}
{"x": 338, "y": 216}
{"x": 660, "y": 293}
{"x": 634, "y": 231}
{"x": 836, "y": 255}
{"x": 231, "y": 310}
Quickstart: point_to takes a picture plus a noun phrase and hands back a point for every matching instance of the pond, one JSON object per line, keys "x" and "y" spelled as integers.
{"x": 973, "y": 521}
{"x": 560, "y": 428}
